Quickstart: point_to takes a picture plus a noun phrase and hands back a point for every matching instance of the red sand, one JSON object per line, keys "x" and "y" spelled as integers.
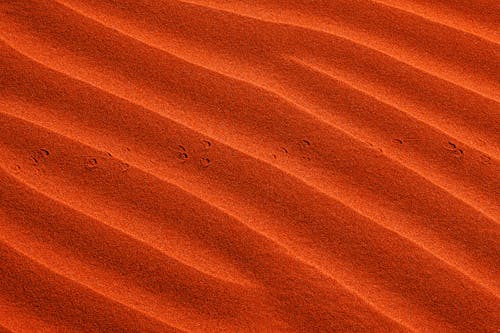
{"x": 249, "y": 166}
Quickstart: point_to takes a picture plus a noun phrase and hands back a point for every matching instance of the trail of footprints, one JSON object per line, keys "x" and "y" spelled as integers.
{"x": 204, "y": 161}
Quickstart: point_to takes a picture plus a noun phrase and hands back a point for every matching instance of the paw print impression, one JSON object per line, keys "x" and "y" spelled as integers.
{"x": 205, "y": 162}
{"x": 182, "y": 154}
{"x": 91, "y": 163}
{"x": 206, "y": 144}
{"x": 38, "y": 156}
{"x": 457, "y": 152}
{"x": 305, "y": 144}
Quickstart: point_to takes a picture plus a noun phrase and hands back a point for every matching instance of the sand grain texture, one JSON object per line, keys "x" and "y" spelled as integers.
{"x": 249, "y": 166}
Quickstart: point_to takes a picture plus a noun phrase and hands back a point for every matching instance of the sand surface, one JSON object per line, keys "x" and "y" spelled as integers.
{"x": 250, "y": 166}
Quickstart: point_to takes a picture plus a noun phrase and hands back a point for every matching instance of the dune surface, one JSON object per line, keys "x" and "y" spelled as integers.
{"x": 249, "y": 166}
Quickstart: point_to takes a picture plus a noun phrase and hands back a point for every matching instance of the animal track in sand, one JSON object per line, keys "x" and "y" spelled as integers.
{"x": 206, "y": 144}
{"x": 91, "y": 163}
{"x": 452, "y": 145}
{"x": 398, "y": 141}
{"x": 282, "y": 150}
{"x": 305, "y": 144}
{"x": 485, "y": 159}
{"x": 16, "y": 168}
{"x": 205, "y": 162}
{"x": 458, "y": 152}
{"x": 37, "y": 156}
{"x": 404, "y": 141}
{"x": 125, "y": 167}
{"x": 182, "y": 155}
